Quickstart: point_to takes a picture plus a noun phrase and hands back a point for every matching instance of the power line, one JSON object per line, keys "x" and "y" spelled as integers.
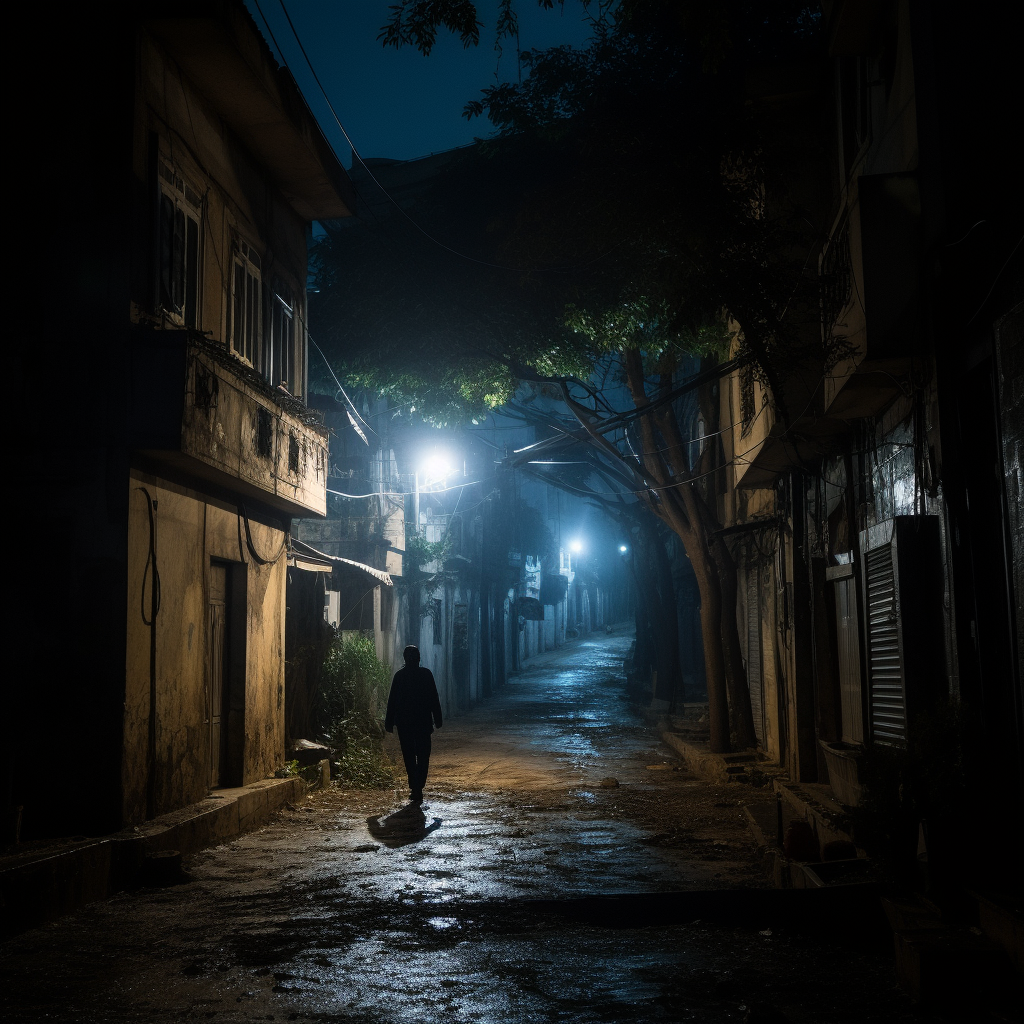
{"x": 350, "y": 407}
{"x": 403, "y": 494}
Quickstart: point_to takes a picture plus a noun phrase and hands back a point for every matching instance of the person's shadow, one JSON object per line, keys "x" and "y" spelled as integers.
{"x": 409, "y": 825}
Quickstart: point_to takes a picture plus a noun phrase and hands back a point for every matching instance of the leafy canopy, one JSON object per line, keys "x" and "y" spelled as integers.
{"x": 633, "y": 194}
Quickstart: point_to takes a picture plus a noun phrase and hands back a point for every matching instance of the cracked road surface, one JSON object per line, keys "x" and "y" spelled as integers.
{"x": 359, "y": 907}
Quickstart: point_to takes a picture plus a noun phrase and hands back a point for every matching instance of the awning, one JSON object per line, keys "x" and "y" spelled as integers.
{"x": 310, "y": 564}
{"x": 302, "y": 556}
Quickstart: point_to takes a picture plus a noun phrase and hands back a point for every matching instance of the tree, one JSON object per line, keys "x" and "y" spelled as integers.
{"x": 632, "y": 214}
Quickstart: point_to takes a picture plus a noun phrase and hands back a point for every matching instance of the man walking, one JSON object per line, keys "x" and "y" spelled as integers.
{"x": 413, "y": 705}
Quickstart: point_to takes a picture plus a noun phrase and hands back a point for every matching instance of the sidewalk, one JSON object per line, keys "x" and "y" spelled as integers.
{"x": 40, "y": 882}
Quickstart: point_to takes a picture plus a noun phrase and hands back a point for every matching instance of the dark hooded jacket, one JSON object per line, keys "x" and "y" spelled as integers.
{"x": 413, "y": 702}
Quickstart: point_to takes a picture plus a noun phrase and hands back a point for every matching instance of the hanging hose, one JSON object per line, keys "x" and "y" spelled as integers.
{"x": 243, "y": 517}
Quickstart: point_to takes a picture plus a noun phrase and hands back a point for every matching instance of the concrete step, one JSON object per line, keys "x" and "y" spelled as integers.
{"x": 50, "y": 880}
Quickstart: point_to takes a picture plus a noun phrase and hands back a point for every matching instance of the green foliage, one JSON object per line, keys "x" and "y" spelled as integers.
{"x": 419, "y": 550}
{"x": 353, "y": 696}
{"x": 632, "y": 195}
{"x": 415, "y": 23}
{"x": 365, "y": 768}
{"x": 645, "y": 324}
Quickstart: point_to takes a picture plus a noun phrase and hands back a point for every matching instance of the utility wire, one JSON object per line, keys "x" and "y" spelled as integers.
{"x": 402, "y": 494}
{"x": 350, "y": 407}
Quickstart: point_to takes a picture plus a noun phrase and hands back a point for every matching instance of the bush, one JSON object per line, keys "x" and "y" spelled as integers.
{"x": 353, "y": 698}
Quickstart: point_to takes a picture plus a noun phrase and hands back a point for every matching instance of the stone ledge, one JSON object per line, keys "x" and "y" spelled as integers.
{"x": 713, "y": 767}
{"x": 816, "y": 803}
{"x": 50, "y": 882}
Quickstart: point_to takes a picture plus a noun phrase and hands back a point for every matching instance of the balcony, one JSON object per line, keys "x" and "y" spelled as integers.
{"x": 210, "y": 419}
{"x": 870, "y": 274}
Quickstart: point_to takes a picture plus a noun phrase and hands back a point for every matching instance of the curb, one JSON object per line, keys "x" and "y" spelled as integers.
{"x": 711, "y": 767}
{"x": 45, "y": 885}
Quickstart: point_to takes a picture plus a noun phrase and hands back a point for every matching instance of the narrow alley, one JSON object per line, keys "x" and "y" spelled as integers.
{"x": 487, "y": 902}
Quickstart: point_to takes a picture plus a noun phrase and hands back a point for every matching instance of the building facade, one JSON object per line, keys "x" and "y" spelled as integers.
{"x": 192, "y": 447}
{"x": 878, "y": 529}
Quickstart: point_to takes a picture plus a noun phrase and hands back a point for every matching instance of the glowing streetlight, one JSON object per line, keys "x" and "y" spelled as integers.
{"x": 623, "y": 549}
{"x": 436, "y": 468}
{"x": 576, "y": 546}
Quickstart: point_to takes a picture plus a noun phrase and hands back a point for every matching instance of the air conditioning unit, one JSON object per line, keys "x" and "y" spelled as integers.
{"x": 903, "y": 624}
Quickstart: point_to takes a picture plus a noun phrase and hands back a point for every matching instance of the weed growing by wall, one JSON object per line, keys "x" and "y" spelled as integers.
{"x": 353, "y": 698}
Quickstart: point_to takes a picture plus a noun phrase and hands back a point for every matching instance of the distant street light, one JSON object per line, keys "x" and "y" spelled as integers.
{"x": 576, "y": 546}
{"x": 623, "y": 549}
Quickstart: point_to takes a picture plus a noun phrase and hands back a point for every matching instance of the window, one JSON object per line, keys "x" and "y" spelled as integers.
{"x": 281, "y": 365}
{"x": 264, "y": 439}
{"x": 246, "y": 307}
{"x": 179, "y": 248}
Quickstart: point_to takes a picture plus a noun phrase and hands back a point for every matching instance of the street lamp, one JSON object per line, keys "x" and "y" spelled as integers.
{"x": 436, "y": 468}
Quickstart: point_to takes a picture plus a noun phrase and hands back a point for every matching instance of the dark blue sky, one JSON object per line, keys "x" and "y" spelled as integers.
{"x": 398, "y": 103}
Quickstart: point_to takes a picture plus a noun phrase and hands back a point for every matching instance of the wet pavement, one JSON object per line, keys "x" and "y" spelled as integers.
{"x": 360, "y": 907}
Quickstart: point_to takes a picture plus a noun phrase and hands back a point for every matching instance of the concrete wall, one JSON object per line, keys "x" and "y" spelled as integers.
{"x": 239, "y": 202}
{"x": 188, "y": 533}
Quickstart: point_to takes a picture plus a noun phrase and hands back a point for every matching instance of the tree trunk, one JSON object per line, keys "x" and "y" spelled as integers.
{"x": 645, "y": 654}
{"x": 684, "y": 512}
{"x": 714, "y": 660}
{"x": 665, "y": 620}
{"x": 735, "y": 671}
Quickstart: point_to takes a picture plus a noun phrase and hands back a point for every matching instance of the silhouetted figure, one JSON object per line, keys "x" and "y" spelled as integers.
{"x": 414, "y": 709}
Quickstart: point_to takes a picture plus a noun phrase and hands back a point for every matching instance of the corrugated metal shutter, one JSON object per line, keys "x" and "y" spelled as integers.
{"x": 754, "y": 681}
{"x": 887, "y": 697}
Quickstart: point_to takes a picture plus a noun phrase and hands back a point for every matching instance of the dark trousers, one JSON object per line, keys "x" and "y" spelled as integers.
{"x": 416, "y": 754}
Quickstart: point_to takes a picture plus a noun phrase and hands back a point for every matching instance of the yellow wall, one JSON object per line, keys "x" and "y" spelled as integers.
{"x": 189, "y": 532}
{"x": 238, "y": 199}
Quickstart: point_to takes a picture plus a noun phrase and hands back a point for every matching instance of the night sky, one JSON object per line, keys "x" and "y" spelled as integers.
{"x": 398, "y": 103}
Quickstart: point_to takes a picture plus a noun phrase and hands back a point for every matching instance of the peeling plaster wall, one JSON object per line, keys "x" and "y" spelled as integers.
{"x": 188, "y": 533}
{"x": 769, "y": 665}
{"x": 240, "y": 202}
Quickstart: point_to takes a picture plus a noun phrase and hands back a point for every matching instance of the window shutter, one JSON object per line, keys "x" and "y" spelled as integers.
{"x": 886, "y": 690}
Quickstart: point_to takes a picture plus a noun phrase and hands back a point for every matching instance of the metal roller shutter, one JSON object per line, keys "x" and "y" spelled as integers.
{"x": 886, "y": 691}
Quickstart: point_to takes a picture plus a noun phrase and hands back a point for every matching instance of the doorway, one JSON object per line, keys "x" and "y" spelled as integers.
{"x": 225, "y": 677}
{"x": 851, "y": 701}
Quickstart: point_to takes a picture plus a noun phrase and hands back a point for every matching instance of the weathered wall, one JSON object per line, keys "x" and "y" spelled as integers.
{"x": 770, "y": 665}
{"x": 239, "y": 200}
{"x": 188, "y": 532}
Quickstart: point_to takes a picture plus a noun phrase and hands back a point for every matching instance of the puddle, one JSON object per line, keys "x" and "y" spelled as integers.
{"x": 441, "y": 923}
